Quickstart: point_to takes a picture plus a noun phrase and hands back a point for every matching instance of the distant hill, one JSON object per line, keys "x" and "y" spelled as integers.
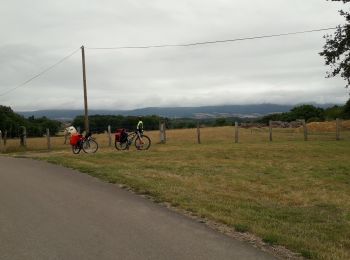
{"x": 173, "y": 112}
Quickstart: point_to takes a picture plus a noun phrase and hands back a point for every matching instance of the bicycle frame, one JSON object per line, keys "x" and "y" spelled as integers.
{"x": 131, "y": 137}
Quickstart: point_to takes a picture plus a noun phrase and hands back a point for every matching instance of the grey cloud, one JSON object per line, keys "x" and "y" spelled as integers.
{"x": 281, "y": 70}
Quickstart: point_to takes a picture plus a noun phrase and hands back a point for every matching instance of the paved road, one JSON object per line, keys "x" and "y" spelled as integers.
{"x": 50, "y": 212}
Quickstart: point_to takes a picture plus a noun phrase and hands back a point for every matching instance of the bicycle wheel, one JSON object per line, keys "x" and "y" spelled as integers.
{"x": 121, "y": 145}
{"x": 144, "y": 144}
{"x": 76, "y": 149}
{"x": 90, "y": 146}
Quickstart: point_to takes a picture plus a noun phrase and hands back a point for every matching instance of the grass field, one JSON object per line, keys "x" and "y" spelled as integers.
{"x": 288, "y": 192}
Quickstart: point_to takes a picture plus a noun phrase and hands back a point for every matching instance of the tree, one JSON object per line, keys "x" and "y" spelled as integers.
{"x": 331, "y": 113}
{"x": 307, "y": 112}
{"x": 336, "y": 51}
{"x": 12, "y": 123}
{"x": 346, "y": 110}
{"x": 220, "y": 122}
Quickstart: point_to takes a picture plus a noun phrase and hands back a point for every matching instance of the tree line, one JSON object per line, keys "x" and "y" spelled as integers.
{"x": 99, "y": 123}
{"x": 311, "y": 114}
{"x": 35, "y": 127}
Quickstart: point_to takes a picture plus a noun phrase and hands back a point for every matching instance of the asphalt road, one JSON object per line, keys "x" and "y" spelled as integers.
{"x": 50, "y": 212}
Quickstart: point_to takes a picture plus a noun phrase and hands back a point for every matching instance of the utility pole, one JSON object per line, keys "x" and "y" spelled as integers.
{"x": 86, "y": 121}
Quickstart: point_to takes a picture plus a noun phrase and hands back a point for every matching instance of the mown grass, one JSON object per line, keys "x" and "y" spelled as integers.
{"x": 288, "y": 192}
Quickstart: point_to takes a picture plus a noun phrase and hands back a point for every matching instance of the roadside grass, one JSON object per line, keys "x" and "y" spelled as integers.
{"x": 288, "y": 192}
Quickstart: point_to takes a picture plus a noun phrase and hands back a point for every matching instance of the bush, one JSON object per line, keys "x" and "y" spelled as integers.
{"x": 314, "y": 119}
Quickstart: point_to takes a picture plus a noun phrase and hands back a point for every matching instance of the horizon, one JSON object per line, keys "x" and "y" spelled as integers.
{"x": 155, "y": 107}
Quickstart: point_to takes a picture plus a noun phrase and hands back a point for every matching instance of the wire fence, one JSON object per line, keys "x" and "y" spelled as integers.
{"x": 313, "y": 132}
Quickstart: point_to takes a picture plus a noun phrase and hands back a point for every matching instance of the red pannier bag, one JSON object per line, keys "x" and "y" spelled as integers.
{"x": 74, "y": 139}
{"x": 119, "y": 134}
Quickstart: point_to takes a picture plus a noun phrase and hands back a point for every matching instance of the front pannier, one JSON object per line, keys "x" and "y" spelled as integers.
{"x": 74, "y": 139}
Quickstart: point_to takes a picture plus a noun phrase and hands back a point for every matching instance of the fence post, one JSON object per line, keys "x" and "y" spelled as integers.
{"x": 66, "y": 134}
{"x": 305, "y": 129}
{"x": 48, "y": 139}
{"x": 162, "y": 134}
{"x": 1, "y": 143}
{"x": 23, "y": 137}
{"x": 109, "y": 136}
{"x": 164, "y": 131}
{"x": 236, "y": 132}
{"x": 338, "y": 126}
{"x": 198, "y": 133}
{"x": 5, "y": 140}
{"x": 270, "y": 130}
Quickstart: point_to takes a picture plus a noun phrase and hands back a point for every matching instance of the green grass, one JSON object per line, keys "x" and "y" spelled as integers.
{"x": 271, "y": 239}
{"x": 290, "y": 193}
{"x": 242, "y": 228}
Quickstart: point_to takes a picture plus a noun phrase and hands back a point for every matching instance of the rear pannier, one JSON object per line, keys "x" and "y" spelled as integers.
{"x": 121, "y": 135}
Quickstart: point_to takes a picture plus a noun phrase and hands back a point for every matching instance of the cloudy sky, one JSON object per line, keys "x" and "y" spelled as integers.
{"x": 36, "y": 34}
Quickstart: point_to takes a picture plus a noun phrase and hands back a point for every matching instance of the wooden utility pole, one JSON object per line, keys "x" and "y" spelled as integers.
{"x": 86, "y": 121}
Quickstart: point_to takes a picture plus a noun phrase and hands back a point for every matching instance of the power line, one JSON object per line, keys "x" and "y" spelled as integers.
{"x": 39, "y": 74}
{"x": 211, "y": 42}
{"x": 163, "y": 46}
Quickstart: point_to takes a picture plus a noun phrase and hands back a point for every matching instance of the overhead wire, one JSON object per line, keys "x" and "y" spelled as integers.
{"x": 162, "y": 46}
{"x": 211, "y": 42}
{"x": 39, "y": 74}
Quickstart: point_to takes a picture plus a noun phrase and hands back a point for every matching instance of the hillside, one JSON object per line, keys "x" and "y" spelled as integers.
{"x": 173, "y": 112}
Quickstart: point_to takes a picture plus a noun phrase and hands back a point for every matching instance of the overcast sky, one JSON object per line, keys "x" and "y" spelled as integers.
{"x": 36, "y": 34}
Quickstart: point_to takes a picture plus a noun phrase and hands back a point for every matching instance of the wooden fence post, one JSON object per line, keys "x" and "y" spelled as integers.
{"x": 5, "y": 140}
{"x": 48, "y": 139}
{"x": 109, "y": 136}
{"x": 236, "y": 132}
{"x": 305, "y": 130}
{"x": 338, "y": 126}
{"x": 23, "y": 137}
{"x": 270, "y": 130}
{"x": 164, "y": 128}
{"x": 162, "y": 134}
{"x": 198, "y": 133}
{"x": 66, "y": 134}
{"x": 1, "y": 143}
